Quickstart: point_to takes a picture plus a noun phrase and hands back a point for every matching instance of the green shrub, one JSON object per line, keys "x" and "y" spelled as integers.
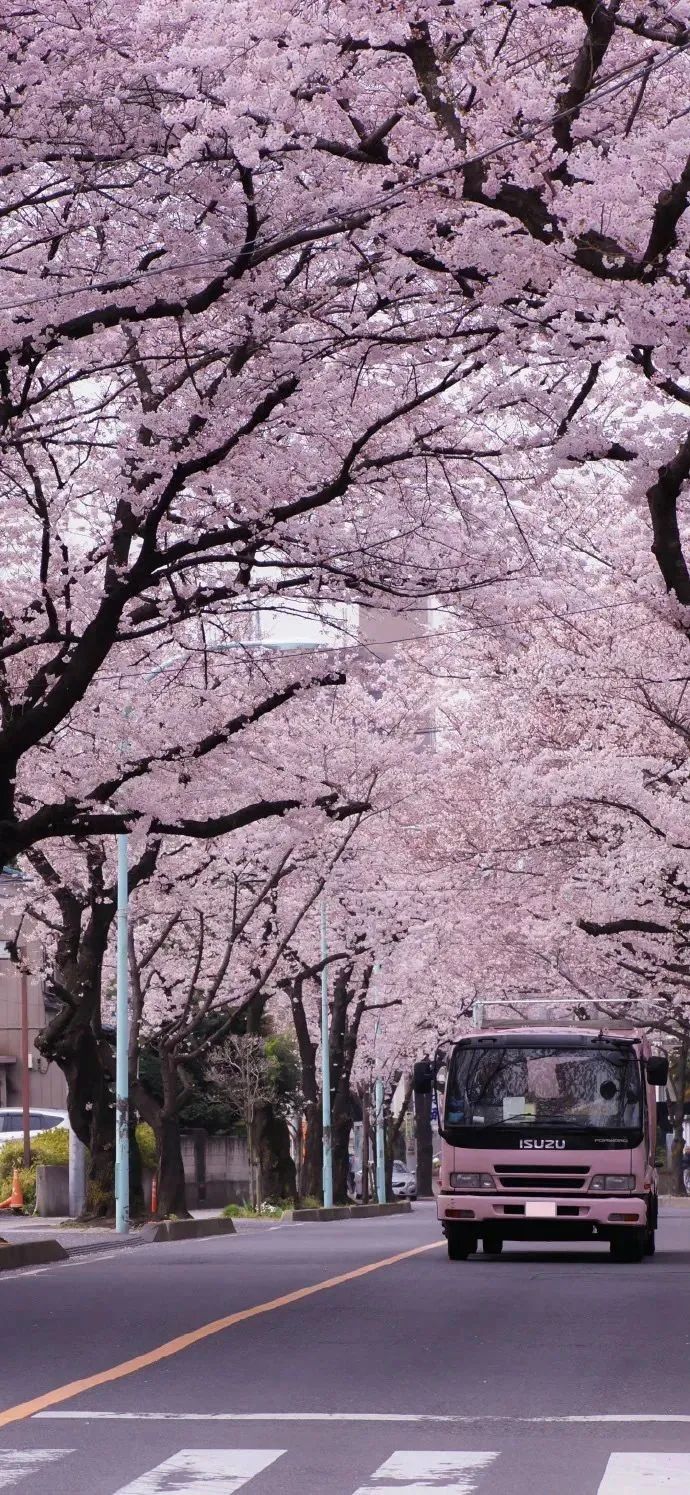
{"x": 53, "y": 1147}
{"x": 310, "y": 1202}
{"x": 47, "y": 1147}
{"x": 146, "y": 1142}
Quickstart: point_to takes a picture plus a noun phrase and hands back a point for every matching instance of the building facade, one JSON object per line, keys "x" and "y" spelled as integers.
{"x": 47, "y": 1085}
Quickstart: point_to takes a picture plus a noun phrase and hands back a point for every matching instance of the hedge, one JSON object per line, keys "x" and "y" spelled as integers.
{"x": 53, "y": 1147}
{"x": 47, "y": 1147}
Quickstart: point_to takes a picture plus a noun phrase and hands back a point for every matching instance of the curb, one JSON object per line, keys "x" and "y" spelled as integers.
{"x": 186, "y": 1230}
{"x": 348, "y": 1212}
{"x": 30, "y": 1254}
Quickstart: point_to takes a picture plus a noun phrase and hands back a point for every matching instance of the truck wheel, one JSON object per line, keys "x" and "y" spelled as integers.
{"x": 492, "y": 1244}
{"x": 629, "y": 1245}
{"x": 649, "y": 1241}
{"x": 461, "y": 1244}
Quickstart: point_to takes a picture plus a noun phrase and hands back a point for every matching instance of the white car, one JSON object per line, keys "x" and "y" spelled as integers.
{"x": 404, "y": 1181}
{"x": 12, "y": 1122}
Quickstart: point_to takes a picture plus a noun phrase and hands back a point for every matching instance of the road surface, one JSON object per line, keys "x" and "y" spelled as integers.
{"x": 542, "y": 1372}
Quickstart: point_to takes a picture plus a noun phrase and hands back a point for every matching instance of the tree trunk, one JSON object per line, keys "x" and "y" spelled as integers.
{"x": 273, "y": 1147}
{"x": 425, "y": 1146}
{"x": 257, "y": 1188}
{"x": 675, "y": 1110}
{"x": 342, "y": 1126}
{"x": 365, "y": 1145}
{"x": 172, "y": 1190}
{"x": 311, "y": 1173}
{"x": 88, "y": 1064}
{"x": 394, "y": 1129}
{"x": 73, "y": 1038}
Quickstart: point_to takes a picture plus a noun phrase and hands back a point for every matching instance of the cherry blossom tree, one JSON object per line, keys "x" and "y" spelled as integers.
{"x": 192, "y": 901}
{"x": 348, "y": 303}
{"x": 297, "y": 307}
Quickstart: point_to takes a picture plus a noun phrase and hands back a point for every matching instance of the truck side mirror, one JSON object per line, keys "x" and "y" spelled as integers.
{"x": 657, "y": 1069}
{"x": 423, "y": 1077}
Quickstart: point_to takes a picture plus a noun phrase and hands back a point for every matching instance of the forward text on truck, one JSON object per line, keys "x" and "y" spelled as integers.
{"x": 547, "y": 1135}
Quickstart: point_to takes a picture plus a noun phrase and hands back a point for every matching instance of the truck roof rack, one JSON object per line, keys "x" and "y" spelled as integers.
{"x": 548, "y": 1016}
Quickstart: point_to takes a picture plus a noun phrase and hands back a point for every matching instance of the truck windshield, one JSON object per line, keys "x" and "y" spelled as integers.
{"x": 576, "y": 1088}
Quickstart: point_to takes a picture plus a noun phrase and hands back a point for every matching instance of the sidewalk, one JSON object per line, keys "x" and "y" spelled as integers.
{"x": 78, "y": 1240}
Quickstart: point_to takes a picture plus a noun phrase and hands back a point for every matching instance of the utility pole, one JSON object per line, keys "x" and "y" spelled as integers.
{"x": 379, "y": 1131}
{"x": 122, "y": 1046}
{"x": 325, "y": 1065}
{"x": 380, "y": 1144}
{"x": 26, "y": 1118}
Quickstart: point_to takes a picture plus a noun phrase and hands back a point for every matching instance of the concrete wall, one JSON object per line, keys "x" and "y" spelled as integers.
{"x": 216, "y": 1173}
{"x": 216, "y": 1170}
{"x": 52, "y": 1190}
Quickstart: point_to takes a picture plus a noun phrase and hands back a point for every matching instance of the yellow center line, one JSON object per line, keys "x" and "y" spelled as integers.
{"x": 195, "y": 1336}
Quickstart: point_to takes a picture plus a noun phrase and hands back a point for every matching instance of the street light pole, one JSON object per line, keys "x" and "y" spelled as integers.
{"x": 325, "y": 1066}
{"x": 380, "y": 1144}
{"x": 378, "y": 1111}
{"x": 26, "y": 1118}
{"x": 122, "y": 1047}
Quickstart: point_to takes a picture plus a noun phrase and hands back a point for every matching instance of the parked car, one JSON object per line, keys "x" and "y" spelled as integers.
{"x": 404, "y": 1181}
{"x": 12, "y": 1125}
{"x": 686, "y": 1169}
{"x": 354, "y": 1187}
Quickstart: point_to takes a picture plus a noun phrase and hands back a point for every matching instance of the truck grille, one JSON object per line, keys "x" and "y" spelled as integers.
{"x": 521, "y": 1177}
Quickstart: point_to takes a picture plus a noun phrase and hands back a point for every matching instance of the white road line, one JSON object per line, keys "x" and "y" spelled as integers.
{"x": 16, "y": 1464}
{"x": 74, "y": 1261}
{"x": 417, "y": 1417}
{"x": 646, "y": 1474}
{"x": 411, "y": 1472}
{"x": 204, "y": 1471}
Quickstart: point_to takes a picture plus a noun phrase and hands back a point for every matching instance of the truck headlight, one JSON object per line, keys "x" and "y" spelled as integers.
{"x": 471, "y": 1181}
{"x": 613, "y": 1183}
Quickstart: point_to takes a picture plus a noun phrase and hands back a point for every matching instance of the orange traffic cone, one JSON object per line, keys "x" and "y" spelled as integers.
{"x": 16, "y": 1199}
{"x": 154, "y": 1194}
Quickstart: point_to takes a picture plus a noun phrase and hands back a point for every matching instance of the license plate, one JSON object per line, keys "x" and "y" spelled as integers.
{"x": 540, "y": 1209}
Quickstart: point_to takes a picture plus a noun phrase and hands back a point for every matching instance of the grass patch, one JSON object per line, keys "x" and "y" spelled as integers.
{"x": 247, "y": 1212}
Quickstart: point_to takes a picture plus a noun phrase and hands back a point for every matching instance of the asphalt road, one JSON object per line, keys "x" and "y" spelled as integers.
{"x": 543, "y": 1372}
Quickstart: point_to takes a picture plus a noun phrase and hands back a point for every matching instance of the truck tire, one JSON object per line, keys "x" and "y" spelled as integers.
{"x": 461, "y": 1243}
{"x": 629, "y": 1245}
{"x": 492, "y": 1244}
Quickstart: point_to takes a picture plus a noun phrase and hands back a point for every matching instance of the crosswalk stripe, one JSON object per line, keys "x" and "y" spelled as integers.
{"x": 204, "y": 1471}
{"x": 414, "y": 1472}
{"x": 16, "y": 1463}
{"x": 646, "y": 1474}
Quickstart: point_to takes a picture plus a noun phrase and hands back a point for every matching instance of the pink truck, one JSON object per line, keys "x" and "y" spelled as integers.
{"x": 547, "y": 1134}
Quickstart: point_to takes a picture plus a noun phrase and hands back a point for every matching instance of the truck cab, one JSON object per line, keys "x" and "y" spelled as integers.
{"x": 547, "y": 1135}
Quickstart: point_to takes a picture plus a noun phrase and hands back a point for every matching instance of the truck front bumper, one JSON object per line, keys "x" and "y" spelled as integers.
{"x": 518, "y": 1216}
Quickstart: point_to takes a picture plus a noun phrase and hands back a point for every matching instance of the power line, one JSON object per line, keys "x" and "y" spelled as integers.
{"x": 619, "y": 81}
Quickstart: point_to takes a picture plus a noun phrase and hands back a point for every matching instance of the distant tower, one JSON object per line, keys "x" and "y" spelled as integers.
{"x": 386, "y": 633}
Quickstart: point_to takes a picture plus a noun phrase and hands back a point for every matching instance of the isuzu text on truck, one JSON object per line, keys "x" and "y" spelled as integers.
{"x": 547, "y": 1134}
